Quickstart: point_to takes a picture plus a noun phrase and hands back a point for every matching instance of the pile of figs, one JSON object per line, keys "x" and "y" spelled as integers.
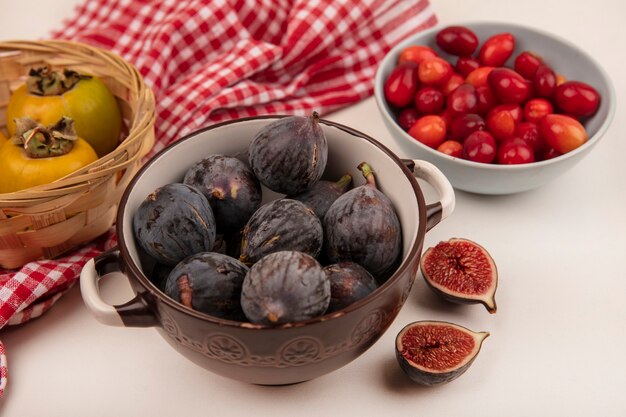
{"x": 220, "y": 251}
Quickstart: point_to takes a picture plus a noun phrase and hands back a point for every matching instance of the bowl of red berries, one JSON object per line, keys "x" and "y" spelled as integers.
{"x": 499, "y": 108}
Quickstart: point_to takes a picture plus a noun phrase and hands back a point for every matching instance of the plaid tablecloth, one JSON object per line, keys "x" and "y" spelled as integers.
{"x": 212, "y": 60}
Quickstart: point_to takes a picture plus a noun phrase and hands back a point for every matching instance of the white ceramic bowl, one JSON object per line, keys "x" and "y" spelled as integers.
{"x": 565, "y": 57}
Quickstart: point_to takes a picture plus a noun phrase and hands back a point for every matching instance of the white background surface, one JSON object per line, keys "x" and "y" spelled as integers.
{"x": 557, "y": 345}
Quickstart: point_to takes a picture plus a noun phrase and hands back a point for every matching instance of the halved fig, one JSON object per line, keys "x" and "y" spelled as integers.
{"x": 436, "y": 352}
{"x": 461, "y": 271}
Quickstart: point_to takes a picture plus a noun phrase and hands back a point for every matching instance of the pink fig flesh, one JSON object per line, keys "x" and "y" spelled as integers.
{"x": 461, "y": 271}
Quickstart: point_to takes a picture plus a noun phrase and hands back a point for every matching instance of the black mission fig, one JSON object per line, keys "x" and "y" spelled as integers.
{"x": 349, "y": 282}
{"x": 362, "y": 226}
{"x": 284, "y": 287}
{"x": 290, "y": 154}
{"x": 210, "y": 283}
{"x": 281, "y": 225}
{"x": 323, "y": 194}
{"x": 231, "y": 188}
{"x": 173, "y": 222}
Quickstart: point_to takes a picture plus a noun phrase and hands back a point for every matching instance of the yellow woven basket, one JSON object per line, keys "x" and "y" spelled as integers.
{"x": 47, "y": 220}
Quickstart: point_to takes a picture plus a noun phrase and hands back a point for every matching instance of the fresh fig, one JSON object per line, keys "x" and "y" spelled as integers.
{"x": 285, "y": 287}
{"x": 461, "y": 271}
{"x": 210, "y": 283}
{"x": 231, "y": 188}
{"x": 175, "y": 221}
{"x": 324, "y": 193}
{"x": 290, "y": 154}
{"x": 362, "y": 226}
{"x": 436, "y": 352}
{"x": 349, "y": 282}
{"x": 280, "y": 225}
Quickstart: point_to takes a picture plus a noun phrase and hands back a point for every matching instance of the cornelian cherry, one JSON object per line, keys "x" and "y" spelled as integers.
{"x": 485, "y": 100}
{"x": 544, "y": 82}
{"x": 515, "y": 151}
{"x": 464, "y": 125}
{"x": 577, "y": 98}
{"x": 480, "y": 146}
{"x": 429, "y": 100}
{"x": 478, "y": 77}
{"x": 548, "y": 153}
{"x": 500, "y": 123}
{"x": 536, "y": 108}
{"x": 462, "y": 99}
{"x": 563, "y": 133}
{"x": 526, "y": 64}
{"x": 529, "y": 132}
{"x": 454, "y": 81}
{"x": 497, "y": 50}
{"x": 452, "y": 148}
{"x": 508, "y": 86}
{"x": 416, "y": 54}
{"x": 466, "y": 64}
{"x": 434, "y": 71}
{"x": 401, "y": 85}
{"x": 457, "y": 40}
{"x": 430, "y": 130}
{"x": 407, "y": 118}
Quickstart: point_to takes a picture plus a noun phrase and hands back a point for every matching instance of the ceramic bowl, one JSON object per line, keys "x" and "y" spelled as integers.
{"x": 565, "y": 57}
{"x": 255, "y": 353}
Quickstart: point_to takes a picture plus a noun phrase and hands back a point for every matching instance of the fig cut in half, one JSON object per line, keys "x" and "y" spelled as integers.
{"x": 436, "y": 352}
{"x": 461, "y": 271}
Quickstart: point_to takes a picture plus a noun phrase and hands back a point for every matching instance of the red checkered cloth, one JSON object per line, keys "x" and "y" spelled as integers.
{"x": 213, "y": 60}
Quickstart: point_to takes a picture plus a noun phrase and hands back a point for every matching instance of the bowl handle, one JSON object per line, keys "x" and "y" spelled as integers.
{"x": 438, "y": 211}
{"x": 134, "y": 313}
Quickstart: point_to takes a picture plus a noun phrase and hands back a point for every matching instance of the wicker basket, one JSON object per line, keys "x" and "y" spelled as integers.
{"x": 47, "y": 220}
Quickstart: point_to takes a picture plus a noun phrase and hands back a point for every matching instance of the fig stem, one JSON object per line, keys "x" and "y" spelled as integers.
{"x": 344, "y": 183}
{"x": 368, "y": 173}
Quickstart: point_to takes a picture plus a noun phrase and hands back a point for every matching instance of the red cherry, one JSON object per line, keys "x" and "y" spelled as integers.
{"x": 457, "y": 40}
{"x": 508, "y": 86}
{"x": 462, "y": 99}
{"x": 497, "y": 50}
{"x": 452, "y": 148}
{"x": 430, "y": 130}
{"x": 563, "y": 133}
{"x": 544, "y": 81}
{"x": 466, "y": 124}
{"x": 480, "y": 146}
{"x": 407, "y": 118}
{"x": 526, "y": 64}
{"x": 536, "y": 109}
{"x": 429, "y": 100}
{"x": 515, "y": 151}
{"x": 401, "y": 85}
{"x": 466, "y": 64}
{"x": 577, "y": 98}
